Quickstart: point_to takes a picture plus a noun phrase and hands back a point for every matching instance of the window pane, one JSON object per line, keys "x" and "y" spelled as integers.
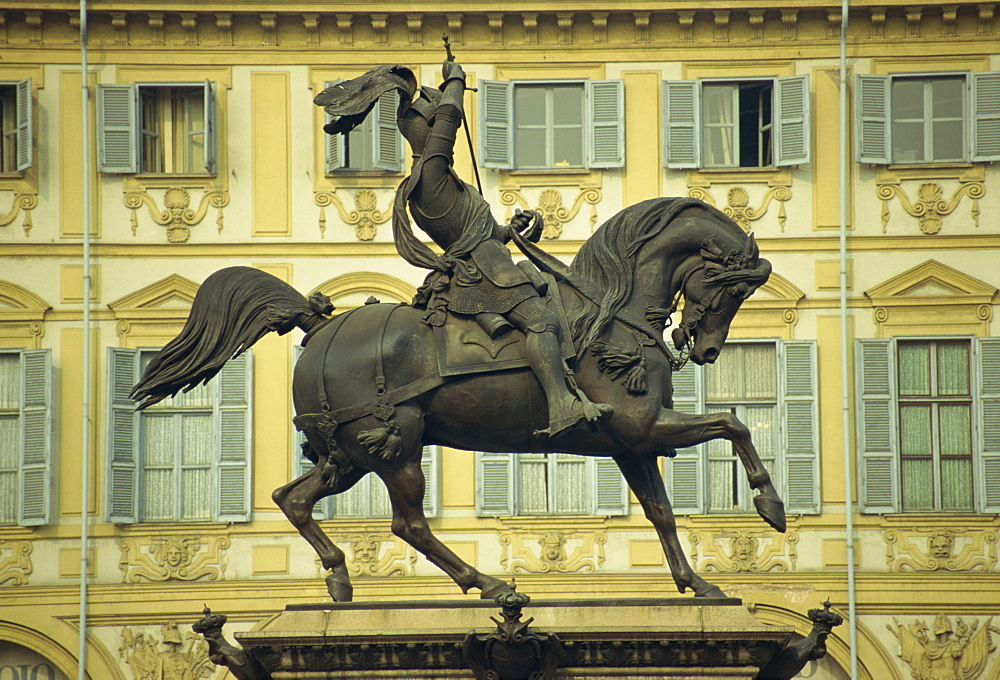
{"x": 8, "y": 497}
{"x": 759, "y": 367}
{"x": 718, "y": 103}
{"x": 949, "y": 140}
{"x": 908, "y": 142}
{"x": 196, "y": 494}
{"x": 914, "y": 369}
{"x": 947, "y": 96}
{"x": 534, "y": 485}
{"x": 571, "y": 484}
{"x": 721, "y": 491}
{"x": 158, "y": 495}
{"x": 953, "y": 369}
{"x": 380, "y": 504}
{"x": 567, "y": 147}
{"x": 357, "y": 146}
{"x": 956, "y": 430}
{"x": 915, "y": 430}
{"x": 194, "y": 129}
{"x": 10, "y": 381}
{"x": 907, "y": 99}
{"x": 956, "y": 484}
{"x": 760, "y": 420}
{"x": 719, "y": 146}
{"x": 158, "y": 440}
{"x": 198, "y": 440}
{"x": 567, "y": 105}
{"x": 918, "y": 484}
{"x": 724, "y": 378}
{"x": 529, "y": 147}
{"x": 529, "y": 105}
{"x": 10, "y": 437}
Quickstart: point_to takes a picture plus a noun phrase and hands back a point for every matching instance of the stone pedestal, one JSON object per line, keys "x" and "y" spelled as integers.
{"x": 679, "y": 639}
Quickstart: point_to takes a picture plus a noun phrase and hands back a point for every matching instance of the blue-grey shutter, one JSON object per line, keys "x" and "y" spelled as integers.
{"x": 606, "y": 109}
{"x": 800, "y": 425}
{"x": 211, "y": 129}
{"x": 122, "y": 478}
{"x": 496, "y": 101}
{"x": 986, "y": 116}
{"x": 873, "y": 113}
{"x": 234, "y": 426}
{"x": 684, "y": 475}
{"x": 877, "y": 439}
{"x": 987, "y": 353}
{"x": 117, "y": 128}
{"x": 610, "y": 489}
{"x": 494, "y": 484}
{"x": 24, "y": 116}
{"x": 429, "y": 465}
{"x": 333, "y": 144}
{"x": 387, "y": 143}
{"x": 36, "y": 438}
{"x": 792, "y": 129}
{"x": 681, "y": 128}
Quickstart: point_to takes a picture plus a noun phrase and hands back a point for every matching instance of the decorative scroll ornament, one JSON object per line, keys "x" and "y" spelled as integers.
{"x": 173, "y": 657}
{"x": 15, "y": 562}
{"x": 550, "y": 206}
{"x": 941, "y": 549}
{"x": 380, "y": 555}
{"x": 365, "y": 217}
{"x": 173, "y": 559}
{"x": 738, "y": 206}
{"x": 553, "y": 551}
{"x": 946, "y": 651}
{"x": 930, "y": 205}
{"x": 177, "y": 215}
{"x": 25, "y": 202}
{"x": 744, "y": 551}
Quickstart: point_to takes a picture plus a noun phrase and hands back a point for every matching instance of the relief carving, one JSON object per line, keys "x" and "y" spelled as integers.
{"x": 15, "y": 562}
{"x": 25, "y": 202}
{"x": 172, "y": 658}
{"x": 942, "y": 549}
{"x": 380, "y": 555}
{"x": 744, "y": 551}
{"x": 956, "y": 652}
{"x": 738, "y": 206}
{"x": 177, "y": 215}
{"x": 565, "y": 552}
{"x": 930, "y": 205}
{"x": 365, "y": 217}
{"x": 550, "y": 206}
{"x": 173, "y": 559}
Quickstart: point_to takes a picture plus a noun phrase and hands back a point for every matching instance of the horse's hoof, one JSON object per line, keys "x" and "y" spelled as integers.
{"x": 772, "y": 509}
{"x": 706, "y": 589}
{"x": 340, "y": 591}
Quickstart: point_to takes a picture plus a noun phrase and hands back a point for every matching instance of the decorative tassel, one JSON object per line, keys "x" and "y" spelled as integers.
{"x": 383, "y": 442}
{"x": 617, "y": 363}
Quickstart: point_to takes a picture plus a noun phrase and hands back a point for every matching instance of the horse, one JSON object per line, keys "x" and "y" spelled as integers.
{"x": 619, "y": 293}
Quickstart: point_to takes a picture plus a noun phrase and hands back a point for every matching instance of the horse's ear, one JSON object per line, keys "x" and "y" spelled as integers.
{"x": 751, "y": 252}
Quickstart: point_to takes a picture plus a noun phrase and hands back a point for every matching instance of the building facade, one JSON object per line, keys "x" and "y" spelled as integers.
{"x": 205, "y": 151}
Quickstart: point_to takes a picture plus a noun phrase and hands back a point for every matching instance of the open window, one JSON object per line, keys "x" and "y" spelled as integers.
{"x": 16, "y": 114}
{"x": 373, "y": 146}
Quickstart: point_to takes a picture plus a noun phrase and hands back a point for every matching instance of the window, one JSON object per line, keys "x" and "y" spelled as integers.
{"x": 771, "y": 387}
{"x": 548, "y": 484}
{"x": 164, "y": 128}
{"x": 944, "y": 118}
{"x": 929, "y": 424}
{"x": 15, "y": 126}
{"x": 186, "y": 459}
{"x": 758, "y": 123}
{"x": 552, "y": 125}
{"x": 25, "y": 436}
{"x": 375, "y": 145}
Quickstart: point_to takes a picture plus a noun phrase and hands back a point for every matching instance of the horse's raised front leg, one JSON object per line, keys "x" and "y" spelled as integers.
{"x": 643, "y": 477}
{"x": 674, "y": 429}
{"x": 406, "y": 492}
{"x": 296, "y": 499}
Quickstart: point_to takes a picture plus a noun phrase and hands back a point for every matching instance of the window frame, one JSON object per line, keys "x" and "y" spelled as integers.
{"x": 34, "y": 472}
{"x": 22, "y": 129}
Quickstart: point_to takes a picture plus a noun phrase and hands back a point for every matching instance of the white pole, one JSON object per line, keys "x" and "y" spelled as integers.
{"x": 85, "y": 472}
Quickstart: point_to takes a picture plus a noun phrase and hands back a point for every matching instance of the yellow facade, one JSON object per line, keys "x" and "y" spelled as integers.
{"x": 922, "y": 241}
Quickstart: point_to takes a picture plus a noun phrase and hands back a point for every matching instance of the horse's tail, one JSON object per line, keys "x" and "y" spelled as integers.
{"x": 234, "y": 308}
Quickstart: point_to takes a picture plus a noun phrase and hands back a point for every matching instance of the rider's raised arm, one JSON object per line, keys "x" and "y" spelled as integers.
{"x": 437, "y": 180}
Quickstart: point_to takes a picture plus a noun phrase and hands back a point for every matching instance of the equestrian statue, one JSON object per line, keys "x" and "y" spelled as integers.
{"x": 533, "y": 357}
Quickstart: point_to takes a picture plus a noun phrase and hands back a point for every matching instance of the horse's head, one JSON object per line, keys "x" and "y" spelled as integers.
{"x": 714, "y": 285}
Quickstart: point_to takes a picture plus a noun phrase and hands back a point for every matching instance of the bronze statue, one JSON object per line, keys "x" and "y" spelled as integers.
{"x": 377, "y": 383}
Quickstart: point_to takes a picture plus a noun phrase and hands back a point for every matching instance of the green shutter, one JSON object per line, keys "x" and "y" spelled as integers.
{"x": 494, "y": 484}
{"x": 877, "y": 437}
{"x": 684, "y": 475}
{"x": 122, "y": 477}
{"x": 36, "y": 438}
{"x": 986, "y": 117}
{"x": 792, "y": 129}
{"x": 987, "y": 353}
{"x": 429, "y": 465}
{"x": 495, "y": 115}
{"x": 610, "y": 489}
{"x": 387, "y": 143}
{"x": 873, "y": 113}
{"x": 681, "y": 129}
{"x": 211, "y": 129}
{"x": 24, "y": 116}
{"x": 606, "y": 108}
{"x": 235, "y": 422}
{"x": 333, "y": 144}
{"x": 800, "y": 425}
{"x": 117, "y": 126}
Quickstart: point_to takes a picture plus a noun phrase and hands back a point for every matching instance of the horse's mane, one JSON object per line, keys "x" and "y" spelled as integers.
{"x": 608, "y": 258}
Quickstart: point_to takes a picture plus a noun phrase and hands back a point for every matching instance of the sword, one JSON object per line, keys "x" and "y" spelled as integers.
{"x": 465, "y": 121}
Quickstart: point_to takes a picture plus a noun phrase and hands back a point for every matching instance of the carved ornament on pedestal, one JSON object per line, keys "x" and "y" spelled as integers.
{"x": 177, "y": 215}
{"x": 15, "y": 562}
{"x": 941, "y": 549}
{"x": 173, "y": 558}
{"x": 565, "y": 552}
{"x": 743, "y": 551}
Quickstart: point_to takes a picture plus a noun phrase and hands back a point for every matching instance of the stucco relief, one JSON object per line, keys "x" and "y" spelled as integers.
{"x": 930, "y": 205}
{"x": 947, "y": 651}
{"x": 738, "y": 207}
{"x": 177, "y": 215}
{"x": 550, "y": 206}
{"x": 365, "y": 217}
{"x": 376, "y": 554}
{"x": 164, "y": 654}
{"x": 564, "y": 552}
{"x": 941, "y": 549}
{"x": 22, "y": 202}
{"x": 15, "y": 562}
{"x": 743, "y": 551}
{"x": 173, "y": 558}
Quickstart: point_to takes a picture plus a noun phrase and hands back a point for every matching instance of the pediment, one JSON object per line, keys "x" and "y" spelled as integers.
{"x": 351, "y": 290}
{"x": 171, "y": 293}
{"x": 15, "y": 300}
{"x": 931, "y": 281}
{"x": 776, "y": 292}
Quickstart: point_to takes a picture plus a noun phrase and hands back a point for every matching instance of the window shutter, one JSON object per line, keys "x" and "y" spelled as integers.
{"x": 333, "y": 144}
{"x": 606, "y": 99}
{"x": 792, "y": 121}
{"x": 681, "y": 108}
{"x": 494, "y": 484}
{"x": 122, "y": 465}
{"x": 387, "y": 142}
{"x": 988, "y": 407}
{"x": 211, "y": 131}
{"x": 36, "y": 438}
{"x": 873, "y": 128}
{"x": 684, "y": 475}
{"x": 610, "y": 489}
{"x": 429, "y": 462}
{"x": 876, "y": 371}
{"x": 24, "y": 119}
{"x": 234, "y": 439}
{"x": 986, "y": 116}
{"x": 495, "y": 102}
{"x": 800, "y": 424}
{"x": 117, "y": 123}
